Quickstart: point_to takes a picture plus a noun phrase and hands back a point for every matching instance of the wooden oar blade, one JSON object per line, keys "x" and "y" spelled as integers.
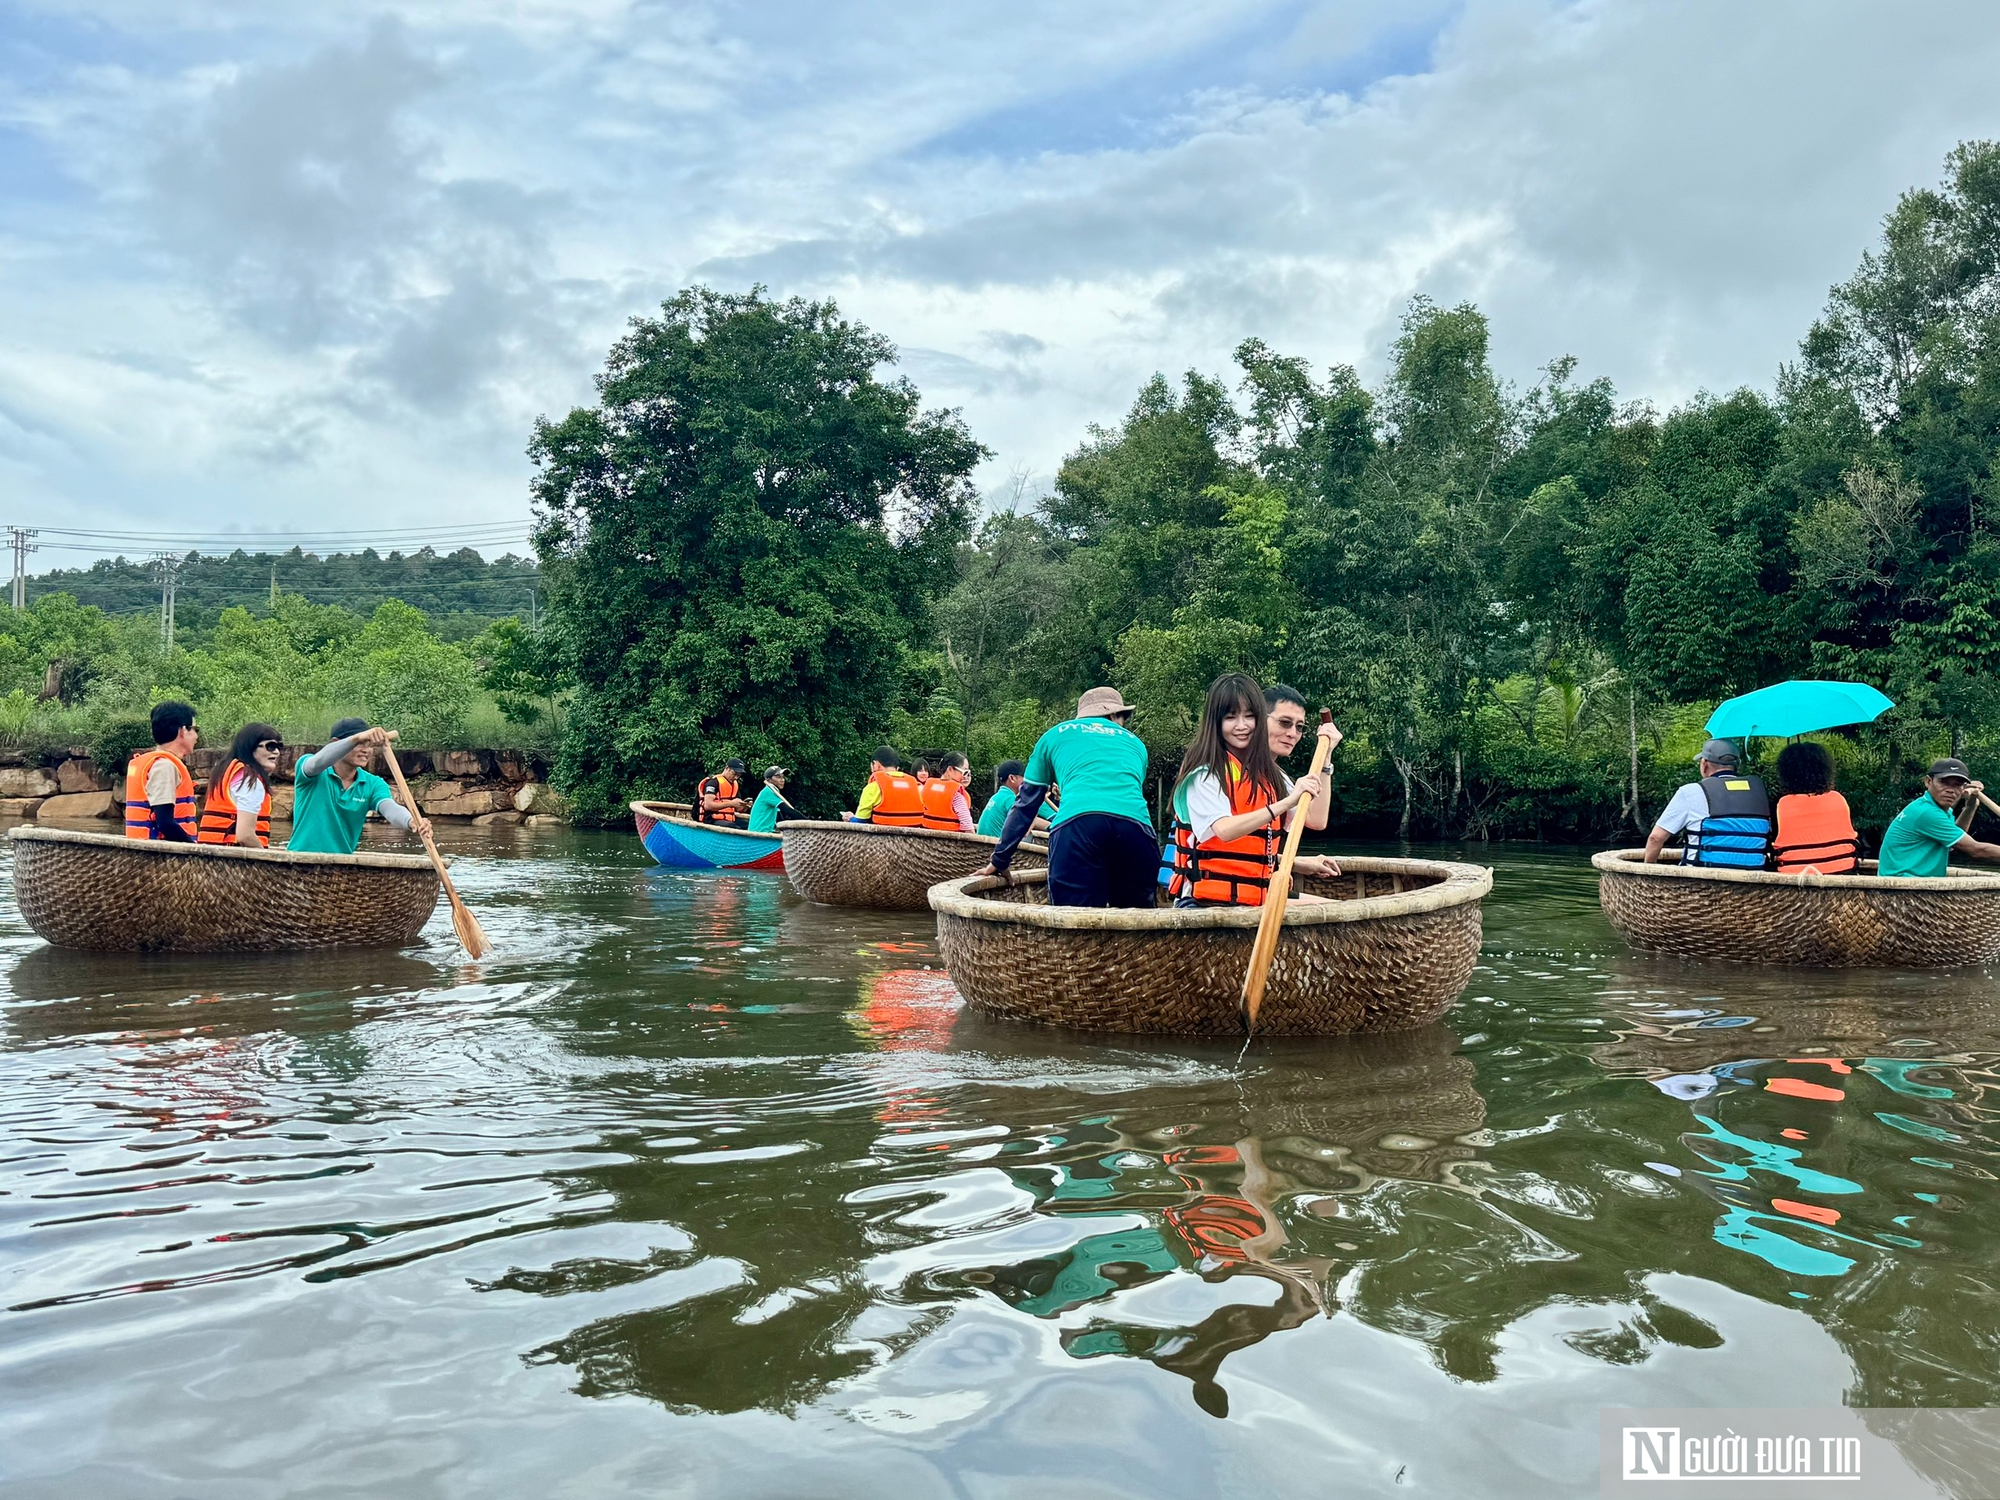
{"x": 471, "y": 936}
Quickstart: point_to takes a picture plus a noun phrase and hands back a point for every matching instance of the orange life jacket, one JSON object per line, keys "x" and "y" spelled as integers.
{"x": 218, "y": 811}
{"x": 138, "y": 813}
{"x": 725, "y": 790}
{"x": 902, "y": 804}
{"x": 940, "y": 801}
{"x": 1235, "y": 871}
{"x": 1816, "y": 833}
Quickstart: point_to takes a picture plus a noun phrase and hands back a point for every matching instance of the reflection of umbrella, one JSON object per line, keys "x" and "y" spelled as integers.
{"x": 1789, "y": 708}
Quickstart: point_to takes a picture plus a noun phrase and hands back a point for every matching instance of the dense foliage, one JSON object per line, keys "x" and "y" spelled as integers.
{"x": 1522, "y": 605}
{"x": 461, "y": 591}
{"x": 72, "y": 675}
{"x": 740, "y": 542}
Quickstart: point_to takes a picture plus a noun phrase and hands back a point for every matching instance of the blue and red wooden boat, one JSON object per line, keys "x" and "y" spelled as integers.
{"x": 680, "y": 843}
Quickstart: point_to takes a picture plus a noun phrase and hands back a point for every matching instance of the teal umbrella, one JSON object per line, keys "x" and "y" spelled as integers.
{"x": 1789, "y": 708}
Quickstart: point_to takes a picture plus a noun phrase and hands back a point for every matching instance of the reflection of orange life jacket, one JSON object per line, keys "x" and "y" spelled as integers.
{"x": 902, "y": 804}
{"x": 1235, "y": 871}
{"x": 725, "y": 790}
{"x": 940, "y": 800}
{"x": 1816, "y": 833}
{"x": 138, "y": 815}
{"x": 218, "y": 811}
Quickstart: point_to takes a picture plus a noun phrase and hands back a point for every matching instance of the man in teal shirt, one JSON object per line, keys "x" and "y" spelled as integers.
{"x": 1007, "y": 787}
{"x": 333, "y": 793}
{"x": 770, "y": 802}
{"x": 1920, "y": 841}
{"x": 1101, "y": 846}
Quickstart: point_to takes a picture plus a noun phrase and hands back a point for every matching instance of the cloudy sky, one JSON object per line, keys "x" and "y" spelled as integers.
{"x": 318, "y": 267}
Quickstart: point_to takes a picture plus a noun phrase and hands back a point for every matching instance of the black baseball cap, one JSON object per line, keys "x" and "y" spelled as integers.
{"x": 770, "y": 771}
{"x": 1951, "y": 765}
{"x": 735, "y": 765}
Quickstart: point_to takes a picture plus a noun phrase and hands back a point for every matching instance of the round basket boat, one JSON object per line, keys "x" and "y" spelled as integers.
{"x": 891, "y": 869}
{"x": 1391, "y": 948}
{"x": 111, "y": 893}
{"x": 680, "y": 843}
{"x": 1817, "y": 921}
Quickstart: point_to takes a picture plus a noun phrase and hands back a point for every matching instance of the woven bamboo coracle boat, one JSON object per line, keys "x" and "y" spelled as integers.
{"x": 891, "y": 869}
{"x": 107, "y": 892}
{"x": 1391, "y": 948}
{"x": 1816, "y": 921}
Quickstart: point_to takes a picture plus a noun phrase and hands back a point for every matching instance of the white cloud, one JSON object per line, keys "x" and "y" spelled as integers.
{"x": 326, "y": 261}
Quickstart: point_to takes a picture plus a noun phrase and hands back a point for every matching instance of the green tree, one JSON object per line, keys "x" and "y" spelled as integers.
{"x": 741, "y": 539}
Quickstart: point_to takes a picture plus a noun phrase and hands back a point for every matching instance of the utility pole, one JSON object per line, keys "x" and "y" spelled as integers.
{"x": 274, "y": 585}
{"x": 169, "y": 567}
{"x": 21, "y": 551}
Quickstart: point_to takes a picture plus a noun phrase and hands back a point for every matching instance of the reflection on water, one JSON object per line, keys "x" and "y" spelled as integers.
{"x": 691, "y": 1173}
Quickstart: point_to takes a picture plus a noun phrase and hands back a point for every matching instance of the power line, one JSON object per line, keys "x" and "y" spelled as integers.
{"x": 441, "y": 529}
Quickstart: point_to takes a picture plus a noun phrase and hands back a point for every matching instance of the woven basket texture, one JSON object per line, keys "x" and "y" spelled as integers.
{"x": 1813, "y": 921}
{"x": 891, "y": 869}
{"x": 107, "y": 892}
{"x": 1384, "y": 962}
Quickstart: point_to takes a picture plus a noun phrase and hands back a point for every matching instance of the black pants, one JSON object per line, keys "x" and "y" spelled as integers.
{"x": 1101, "y": 859}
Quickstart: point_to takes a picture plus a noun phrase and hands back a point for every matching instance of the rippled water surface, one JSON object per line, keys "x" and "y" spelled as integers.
{"x": 697, "y": 1189}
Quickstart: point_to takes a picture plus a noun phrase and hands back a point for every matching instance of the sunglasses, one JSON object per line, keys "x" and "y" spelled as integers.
{"x": 270, "y": 744}
{"x": 1288, "y": 723}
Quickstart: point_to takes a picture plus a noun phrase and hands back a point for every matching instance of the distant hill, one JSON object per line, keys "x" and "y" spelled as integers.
{"x": 460, "y": 590}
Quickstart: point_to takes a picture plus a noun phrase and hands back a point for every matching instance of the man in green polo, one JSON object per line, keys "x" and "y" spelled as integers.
{"x": 1101, "y": 846}
{"x": 333, "y": 793}
{"x": 1924, "y": 836}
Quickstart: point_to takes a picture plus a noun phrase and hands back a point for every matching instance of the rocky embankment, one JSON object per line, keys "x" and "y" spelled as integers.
{"x": 483, "y": 786}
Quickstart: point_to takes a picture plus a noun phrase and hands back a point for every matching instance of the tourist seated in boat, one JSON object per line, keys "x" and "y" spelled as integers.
{"x": 1924, "y": 835}
{"x": 1815, "y": 830}
{"x": 770, "y": 809}
{"x": 1231, "y": 802}
{"x": 1006, "y": 787}
{"x": 333, "y": 791}
{"x": 720, "y": 798}
{"x": 159, "y": 790}
{"x": 1288, "y": 721}
{"x": 893, "y": 798}
{"x": 947, "y": 804}
{"x": 1724, "y": 819}
{"x": 1101, "y": 846}
{"x": 237, "y": 809}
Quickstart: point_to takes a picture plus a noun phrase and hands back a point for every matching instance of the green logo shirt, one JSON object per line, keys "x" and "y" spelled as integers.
{"x": 1100, "y": 766}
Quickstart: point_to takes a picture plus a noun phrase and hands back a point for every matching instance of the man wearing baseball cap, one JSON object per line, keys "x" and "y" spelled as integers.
{"x": 1101, "y": 846}
{"x": 1924, "y": 835}
{"x": 1724, "y": 819}
{"x": 771, "y": 808}
{"x": 719, "y": 798}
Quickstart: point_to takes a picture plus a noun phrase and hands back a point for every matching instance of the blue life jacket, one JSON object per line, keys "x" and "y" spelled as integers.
{"x": 1736, "y": 832}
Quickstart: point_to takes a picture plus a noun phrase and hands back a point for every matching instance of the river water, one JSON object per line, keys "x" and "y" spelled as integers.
{"x": 695, "y": 1189}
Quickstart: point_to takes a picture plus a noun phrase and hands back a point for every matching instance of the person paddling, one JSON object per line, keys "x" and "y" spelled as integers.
{"x": 1920, "y": 841}
{"x": 771, "y": 808}
{"x": 1101, "y": 846}
{"x": 333, "y": 793}
{"x": 1288, "y": 726}
{"x": 1231, "y": 803}
{"x": 237, "y": 809}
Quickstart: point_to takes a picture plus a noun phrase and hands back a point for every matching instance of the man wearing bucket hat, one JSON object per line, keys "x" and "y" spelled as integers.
{"x": 1724, "y": 819}
{"x": 1101, "y": 846}
{"x": 1924, "y": 835}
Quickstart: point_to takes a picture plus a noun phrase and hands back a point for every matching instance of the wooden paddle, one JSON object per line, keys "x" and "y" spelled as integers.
{"x": 470, "y": 936}
{"x": 1279, "y": 892}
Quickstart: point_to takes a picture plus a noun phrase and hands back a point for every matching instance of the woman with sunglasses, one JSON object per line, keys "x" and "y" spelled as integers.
{"x": 237, "y": 809}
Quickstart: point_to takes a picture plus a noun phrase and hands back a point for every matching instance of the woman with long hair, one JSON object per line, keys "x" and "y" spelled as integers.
{"x": 237, "y": 809}
{"x": 1815, "y": 829}
{"x": 1231, "y": 802}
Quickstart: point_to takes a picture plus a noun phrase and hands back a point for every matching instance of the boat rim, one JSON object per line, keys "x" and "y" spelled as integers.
{"x": 637, "y": 804}
{"x": 1460, "y": 884}
{"x": 955, "y": 835}
{"x": 162, "y": 848}
{"x": 1632, "y": 862}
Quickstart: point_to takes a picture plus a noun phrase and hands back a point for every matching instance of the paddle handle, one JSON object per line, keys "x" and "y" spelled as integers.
{"x": 460, "y": 915}
{"x": 1271, "y": 924}
{"x": 1991, "y": 806}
